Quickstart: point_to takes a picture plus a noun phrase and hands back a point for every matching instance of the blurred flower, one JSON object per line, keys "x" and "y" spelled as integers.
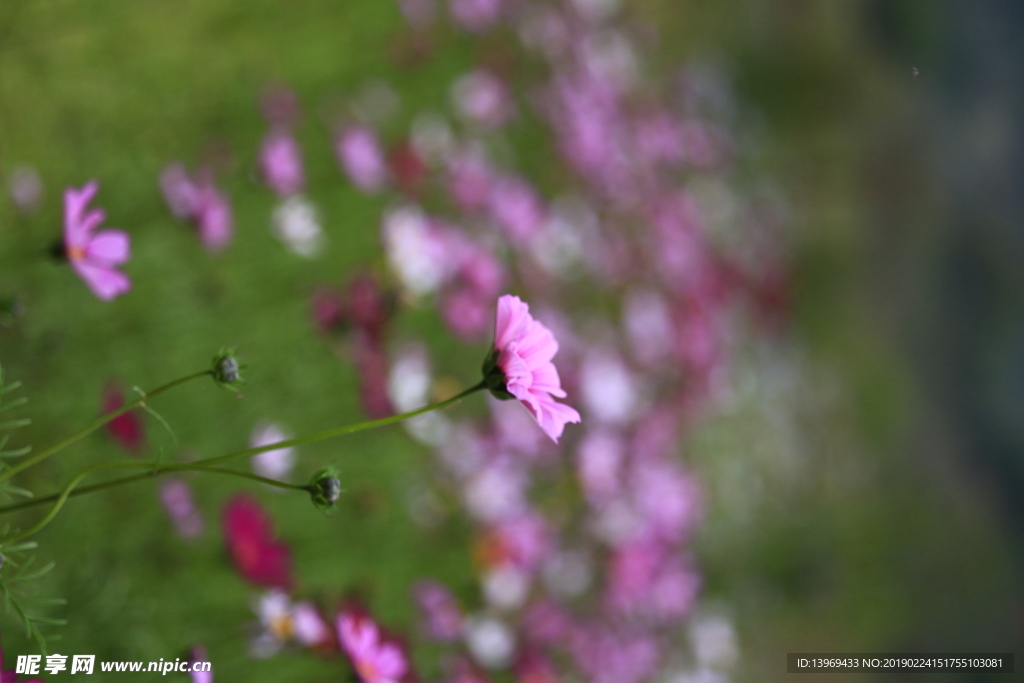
{"x": 483, "y": 99}
{"x": 647, "y": 578}
{"x": 648, "y": 322}
{"x": 520, "y": 542}
{"x": 281, "y": 163}
{"x": 442, "y": 616}
{"x": 419, "y": 13}
{"x": 415, "y": 249}
{"x": 408, "y": 167}
{"x": 26, "y": 188}
{"x": 329, "y": 309}
{"x": 520, "y": 366}
{"x": 713, "y": 640}
{"x": 198, "y": 654}
{"x": 297, "y": 225}
{"x": 361, "y": 158}
{"x": 199, "y": 201}
{"x": 94, "y": 256}
{"x": 374, "y": 659}
{"x": 475, "y": 278}
{"x": 284, "y": 621}
{"x": 470, "y": 178}
{"x": 257, "y": 556}
{"x": 371, "y": 363}
{"x": 506, "y": 588}
{"x": 606, "y": 656}
{"x": 517, "y": 209}
{"x": 176, "y": 497}
{"x": 276, "y": 464}
{"x": 533, "y": 667}
{"x": 490, "y": 641}
{"x": 476, "y": 15}
{"x": 609, "y": 387}
{"x": 599, "y": 466}
{"x": 126, "y": 429}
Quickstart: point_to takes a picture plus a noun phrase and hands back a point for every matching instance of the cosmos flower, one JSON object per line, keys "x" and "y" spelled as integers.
{"x": 176, "y": 497}
{"x": 258, "y": 557}
{"x": 520, "y": 366}
{"x": 126, "y": 429}
{"x": 281, "y": 163}
{"x": 442, "y": 616}
{"x": 94, "y": 256}
{"x": 374, "y": 659}
{"x": 196, "y": 199}
{"x": 276, "y": 464}
{"x": 360, "y": 156}
{"x": 284, "y": 621}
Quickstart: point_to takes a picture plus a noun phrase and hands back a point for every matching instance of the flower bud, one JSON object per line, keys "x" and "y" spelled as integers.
{"x": 227, "y": 371}
{"x": 325, "y": 489}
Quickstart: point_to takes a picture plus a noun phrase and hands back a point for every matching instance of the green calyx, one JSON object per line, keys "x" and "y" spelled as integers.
{"x": 227, "y": 371}
{"x": 494, "y": 377}
{"x": 325, "y": 489}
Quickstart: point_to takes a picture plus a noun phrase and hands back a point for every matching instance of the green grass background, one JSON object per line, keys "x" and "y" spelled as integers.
{"x": 875, "y": 545}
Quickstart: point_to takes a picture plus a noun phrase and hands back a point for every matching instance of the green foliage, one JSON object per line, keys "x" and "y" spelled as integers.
{"x": 17, "y": 567}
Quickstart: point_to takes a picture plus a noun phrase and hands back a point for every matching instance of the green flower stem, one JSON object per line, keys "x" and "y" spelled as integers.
{"x": 337, "y": 431}
{"x": 94, "y": 425}
{"x": 207, "y": 464}
{"x": 155, "y": 469}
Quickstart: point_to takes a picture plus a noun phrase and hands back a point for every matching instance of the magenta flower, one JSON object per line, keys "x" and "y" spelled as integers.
{"x": 176, "y": 497}
{"x": 520, "y": 366}
{"x": 94, "y": 256}
{"x": 375, "y": 659}
{"x": 197, "y": 200}
{"x": 360, "y": 156}
{"x": 281, "y": 163}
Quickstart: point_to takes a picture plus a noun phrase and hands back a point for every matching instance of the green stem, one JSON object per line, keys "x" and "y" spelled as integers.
{"x": 337, "y": 431}
{"x": 156, "y": 469}
{"x": 94, "y": 425}
{"x": 207, "y": 464}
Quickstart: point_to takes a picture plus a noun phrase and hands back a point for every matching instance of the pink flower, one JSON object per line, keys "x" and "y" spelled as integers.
{"x": 374, "y": 659}
{"x": 517, "y": 209}
{"x": 176, "y": 497}
{"x": 442, "y": 616}
{"x": 199, "y": 655}
{"x": 94, "y": 256}
{"x": 361, "y": 158}
{"x": 198, "y": 200}
{"x": 126, "y": 429}
{"x": 520, "y": 366}
{"x": 476, "y": 15}
{"x": 281, "y": 163}
{"x": 258, "y": 557}
{"x": 483, "y": 98}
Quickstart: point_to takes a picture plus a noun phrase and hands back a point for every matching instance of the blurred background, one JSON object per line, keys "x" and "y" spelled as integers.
{"x": 801, "y": 298}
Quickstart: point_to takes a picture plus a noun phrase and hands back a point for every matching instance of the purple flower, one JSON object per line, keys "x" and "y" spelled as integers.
{"x": 482, "y": 98}
{"x": 520, "y": 366}
{"x": 176, "y": 497}
{"x": 94, "y": 256}
{"x": 516, "y": 207}
{"x": 476, "y": 15}
{"x": 442, "y": 614}
{"x": 281, "y": 163}
{"x": 374, "y": 659}
{"x": 198, "y": 200}
{"x": 361, "y": 158}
